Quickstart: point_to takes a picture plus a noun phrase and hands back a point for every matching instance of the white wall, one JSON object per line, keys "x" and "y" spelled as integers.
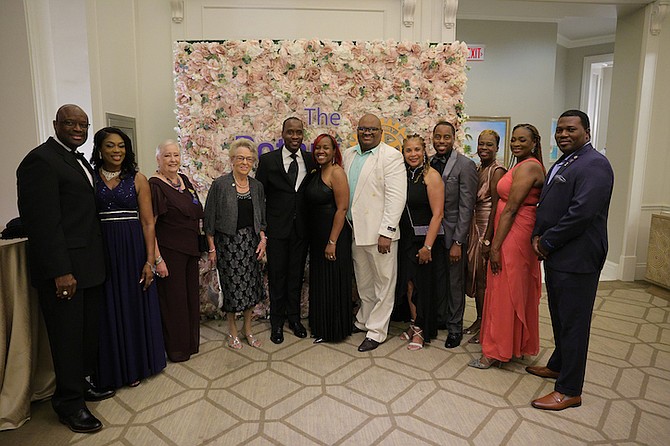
{"x": 516, "y": 78}
{"x": 18, "y": 123}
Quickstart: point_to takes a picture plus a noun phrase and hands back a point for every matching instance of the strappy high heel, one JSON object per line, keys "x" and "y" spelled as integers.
{"x": 484, "y": 363}
{"x": 413, "y": 346}
{"x": 407, "y": 334}
{"x": 253, "y": 342}
{"x": 234, "y": 342}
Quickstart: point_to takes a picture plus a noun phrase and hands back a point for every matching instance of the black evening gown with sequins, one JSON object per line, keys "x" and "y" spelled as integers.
{"x": 131, "y": 336}
{"x": 330, "y": 282}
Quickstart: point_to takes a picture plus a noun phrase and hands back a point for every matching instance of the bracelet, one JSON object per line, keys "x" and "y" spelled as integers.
{"x": 330, "y": 242}
{"x": 429, "y": 248}
{"x": 153, "y": 268}
{"x": 159, "y": 259}
{"x": 211, "y": 250}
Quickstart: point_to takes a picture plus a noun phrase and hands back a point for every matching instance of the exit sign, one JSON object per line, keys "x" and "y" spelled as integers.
{"x": 476, "y": 52}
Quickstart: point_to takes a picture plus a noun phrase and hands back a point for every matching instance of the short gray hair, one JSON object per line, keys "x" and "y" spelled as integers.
{"x": 167, "y": 142}
{"x": 243, "y": 142}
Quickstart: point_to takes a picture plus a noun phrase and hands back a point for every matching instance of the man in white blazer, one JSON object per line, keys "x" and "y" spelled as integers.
{"x": 378, "y": 191}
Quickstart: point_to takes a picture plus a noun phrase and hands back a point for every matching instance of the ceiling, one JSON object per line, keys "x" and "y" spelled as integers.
{"x": 580, "y": 22}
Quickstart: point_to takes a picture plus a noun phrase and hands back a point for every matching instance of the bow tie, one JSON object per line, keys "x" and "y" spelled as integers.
{"x": 78, "y": 155}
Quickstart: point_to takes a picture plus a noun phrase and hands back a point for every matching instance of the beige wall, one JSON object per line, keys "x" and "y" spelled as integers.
{"x": 574, "y": 66}
{"x": 656, "y": 193}
{"x": 560, "y": 80}
{"x": 528, "y": 78}
{"x": 516, "y": 78}
{"x": 18, "y": 123}
{"x": 623, "y": 115}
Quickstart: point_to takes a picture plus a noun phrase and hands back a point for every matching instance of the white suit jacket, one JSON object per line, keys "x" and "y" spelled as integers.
{"x": 380, "y": 195}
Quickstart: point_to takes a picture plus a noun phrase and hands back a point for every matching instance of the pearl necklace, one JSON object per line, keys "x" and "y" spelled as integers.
{"x": 109, "y": 176}
{"x": 239, "y": 183}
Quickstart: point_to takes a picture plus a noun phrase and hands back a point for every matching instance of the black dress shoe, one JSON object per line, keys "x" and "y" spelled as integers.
{"x": 453, "y": 340}
{"x": 367, "y": 345}
{"x": 81, "y": 421}
{"x": 277, "y": 335}
{"x": 92, "y": 394}
{"x": 355, "y": 329}
{"x": 298, "y": 329}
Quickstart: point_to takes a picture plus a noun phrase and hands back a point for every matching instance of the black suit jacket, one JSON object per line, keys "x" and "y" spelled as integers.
{"x": 57, "y": 207}
{"x": 572, "y": 212}
{"x": 284, "y": 205}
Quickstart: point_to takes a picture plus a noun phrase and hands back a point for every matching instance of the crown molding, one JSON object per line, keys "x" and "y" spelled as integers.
{"x": 578, "y": 43}
{"x": 507, "y": 18}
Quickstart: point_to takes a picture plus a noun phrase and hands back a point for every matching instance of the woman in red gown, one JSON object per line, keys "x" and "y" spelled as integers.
{"x": 510, "y": 323}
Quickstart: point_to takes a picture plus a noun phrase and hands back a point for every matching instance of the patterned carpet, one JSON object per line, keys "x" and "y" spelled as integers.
{"x": 299, "y": 393}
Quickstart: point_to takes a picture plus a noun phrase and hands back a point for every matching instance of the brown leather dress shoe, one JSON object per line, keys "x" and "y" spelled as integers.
{"x": 557, "y": 401}
{"x": 542, "y": 371}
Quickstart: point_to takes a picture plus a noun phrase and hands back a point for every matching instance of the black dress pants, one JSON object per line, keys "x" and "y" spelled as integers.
{"x": 72, "y": 327}
{"x": 571, "y": 297}
{"x": 286, "y": 266}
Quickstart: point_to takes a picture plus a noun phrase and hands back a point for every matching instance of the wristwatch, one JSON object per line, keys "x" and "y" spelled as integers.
{"x": 458, "y": 243}
{"x": 429, "y": 248}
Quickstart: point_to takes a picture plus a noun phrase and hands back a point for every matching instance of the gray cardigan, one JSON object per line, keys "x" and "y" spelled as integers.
{"x": 221, "y": 206}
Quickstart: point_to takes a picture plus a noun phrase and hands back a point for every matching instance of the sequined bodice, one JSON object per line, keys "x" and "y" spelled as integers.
{"x": 122, "y": 197}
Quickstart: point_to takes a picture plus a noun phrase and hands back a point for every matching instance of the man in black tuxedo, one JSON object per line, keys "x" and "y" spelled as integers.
{"x": 57, "y": 206}
{"x": 570, "y": 235}
{"x": 282, "y": 173}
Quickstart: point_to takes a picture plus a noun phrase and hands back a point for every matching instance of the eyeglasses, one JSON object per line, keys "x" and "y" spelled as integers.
{"x": 72, "y": 124}
{"x": 368, "y": 129}
{"x": 248, "y": 159}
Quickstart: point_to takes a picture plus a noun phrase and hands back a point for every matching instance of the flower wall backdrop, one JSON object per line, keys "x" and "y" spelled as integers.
{"x": 230, "y": 89}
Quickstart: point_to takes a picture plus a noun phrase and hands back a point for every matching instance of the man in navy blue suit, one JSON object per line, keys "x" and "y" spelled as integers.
{"x": 570, "y": 235}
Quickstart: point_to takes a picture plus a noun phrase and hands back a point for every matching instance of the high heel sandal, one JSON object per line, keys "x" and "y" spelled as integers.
{"x": 251, "y": 339}
{"x": 234, "y": 342}
{"x": 474, "y": 328}
{"x": 413, "y": 346}
{"x": 407, "y": 334}
{"x": 484, "y": 363}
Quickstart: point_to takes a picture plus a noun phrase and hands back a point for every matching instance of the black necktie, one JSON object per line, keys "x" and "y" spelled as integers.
{"x": 293, "y": 170}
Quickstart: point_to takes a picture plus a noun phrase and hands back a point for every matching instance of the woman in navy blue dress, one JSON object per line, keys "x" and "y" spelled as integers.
{"x": 131, "y": 338}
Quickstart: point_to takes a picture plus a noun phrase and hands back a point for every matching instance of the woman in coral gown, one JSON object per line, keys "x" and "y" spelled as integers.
{"x": 510, "y": 323}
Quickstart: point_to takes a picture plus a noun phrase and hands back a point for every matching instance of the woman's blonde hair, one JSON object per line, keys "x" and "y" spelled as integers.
{"x": 243, "y": 142}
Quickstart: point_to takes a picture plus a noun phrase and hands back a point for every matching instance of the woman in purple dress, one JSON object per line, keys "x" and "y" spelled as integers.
{"x": 131, "y": 339}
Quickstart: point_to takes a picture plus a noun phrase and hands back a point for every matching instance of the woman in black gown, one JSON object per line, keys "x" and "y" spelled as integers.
{"x": 422, "y": 266}
{"x": 330, "y": 264}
